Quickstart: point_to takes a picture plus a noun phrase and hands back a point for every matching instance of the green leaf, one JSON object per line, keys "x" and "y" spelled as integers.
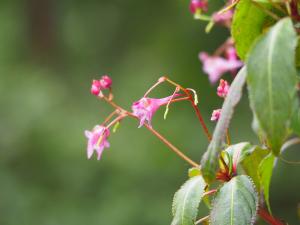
{"x": 235, "y": 203}
{"x": 251, "y": 162}
{"x": 248, "y": 23}
{"x": 186, "y": 201}
{"x": 298, "y": 54}
{"x": 194, "y": 172}
{"x": 272, "y": 80}
{"x": 209, "y": 160}
{"x": 295, "y": 121}
{"x": 239, "y": 151}
{"x": 265, "y": 171}
{"x": 267, "y": 1}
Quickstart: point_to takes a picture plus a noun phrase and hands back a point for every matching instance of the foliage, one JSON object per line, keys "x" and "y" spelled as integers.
{"x": 265, "y": 36}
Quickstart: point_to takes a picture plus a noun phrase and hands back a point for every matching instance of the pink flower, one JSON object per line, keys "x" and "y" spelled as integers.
{"x": 215, "y": 115}
{"x": 216, "y": 66}
{"x": 145, "y": 108}
{"x": 223, "y": 18}
{"x": 231, "y": 53}
{"x": 96, "y": 87}
{"x": 105, "y": 82}
{"x": 223, "y": 88}
{"x": 97, "y": 140}
{"x": 196, "y": 5}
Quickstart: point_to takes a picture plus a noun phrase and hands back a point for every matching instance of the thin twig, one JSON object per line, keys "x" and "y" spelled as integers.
{"x": 270, "y": 13}
{"x": 209, "y": 192}
{"x": 228, "y": 137}
{"x": 202, "y": 220}
{"x": 197, "y": 111}
{"x": 123, "y": 113}
{"x": 109, "y": 117}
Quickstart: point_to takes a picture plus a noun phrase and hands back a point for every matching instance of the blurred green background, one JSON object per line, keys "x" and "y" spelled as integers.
{"x": 49, "y": 53}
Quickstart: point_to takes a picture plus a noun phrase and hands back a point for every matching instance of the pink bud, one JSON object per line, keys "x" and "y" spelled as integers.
{"x": 96, "y": 87}
{"x": 223, "y": 88}
{"x": 215, "y": 115}
{"x": 105, "y": 82}
{"x": 198, "y": 5}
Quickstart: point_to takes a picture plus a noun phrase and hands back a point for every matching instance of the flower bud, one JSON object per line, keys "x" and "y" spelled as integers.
{"x": 105, "y": 82}
{"x": 223, "y": 88}
{"x": 198, "y": 5}
{"x": 96, "y": 87}
{"x": 215, "y": 115}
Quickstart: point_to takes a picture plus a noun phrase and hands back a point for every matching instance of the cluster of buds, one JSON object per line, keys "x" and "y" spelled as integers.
{"x": 222, "y": 91}
{"x": 104, "y": 83}
{"x": 143, "y": 110}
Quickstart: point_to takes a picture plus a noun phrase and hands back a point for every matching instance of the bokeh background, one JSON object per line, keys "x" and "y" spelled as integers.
{"x": 49, "y": 53}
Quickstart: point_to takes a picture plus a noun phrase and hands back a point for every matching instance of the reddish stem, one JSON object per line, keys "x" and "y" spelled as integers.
{"x": 123, "y": 113}
{"x": 197, "y": 111}
{"x": 109, "y": 117}
{"x": 269, "y": 218}
{"x": 209, "y": 192}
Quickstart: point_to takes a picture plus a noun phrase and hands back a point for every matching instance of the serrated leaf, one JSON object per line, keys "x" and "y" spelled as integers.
{"x": 248, "y": 23}
{"x": 209, "y": 160}
{"x": 186, "y": 201}
{"x": 265, "y": 171}
{"x": 272, "y": 80}
{"x": 251, "y": 162}
{"x": 235, "y": 203}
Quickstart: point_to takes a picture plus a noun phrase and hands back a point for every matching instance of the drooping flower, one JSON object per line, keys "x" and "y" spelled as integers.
{"x": 97, "y": 140}
{"x": 223, "y": 18}
{"x": 105, "y": 82}
{"x": 215, "y": 115}
{"x": 145, "y": 108}
{"x": 196, "y": 5}
{"x": 216, "y": 66}
{"x": 96, "y": 87}
{"x": 223, "y": 88}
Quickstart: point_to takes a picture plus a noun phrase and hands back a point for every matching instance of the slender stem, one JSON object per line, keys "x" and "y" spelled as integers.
{"x": 179, "y": 99}
{"x": 123, "y": 113}
{"x": 228, "y": 7}
{"x": 203, "y": 17}
{"x": 228, "y": 137}
{"x": 197, "y": 111}
{"x": 153, "y": 86}
{"x": 169, "y": 102}
{"x": 265, "y": 10}
{"x": 109, "y": 117}
{"x": 209, "y": 192}
{"x": 202, "y": 220}
{"x": 172, "y": 147}
{"x": 277, "y": 6}
{"x": 269, "y": 218}
{"x": 120, "y": 117}
{"x": 224, "y": 164}
{"x": 288, "y": 7}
